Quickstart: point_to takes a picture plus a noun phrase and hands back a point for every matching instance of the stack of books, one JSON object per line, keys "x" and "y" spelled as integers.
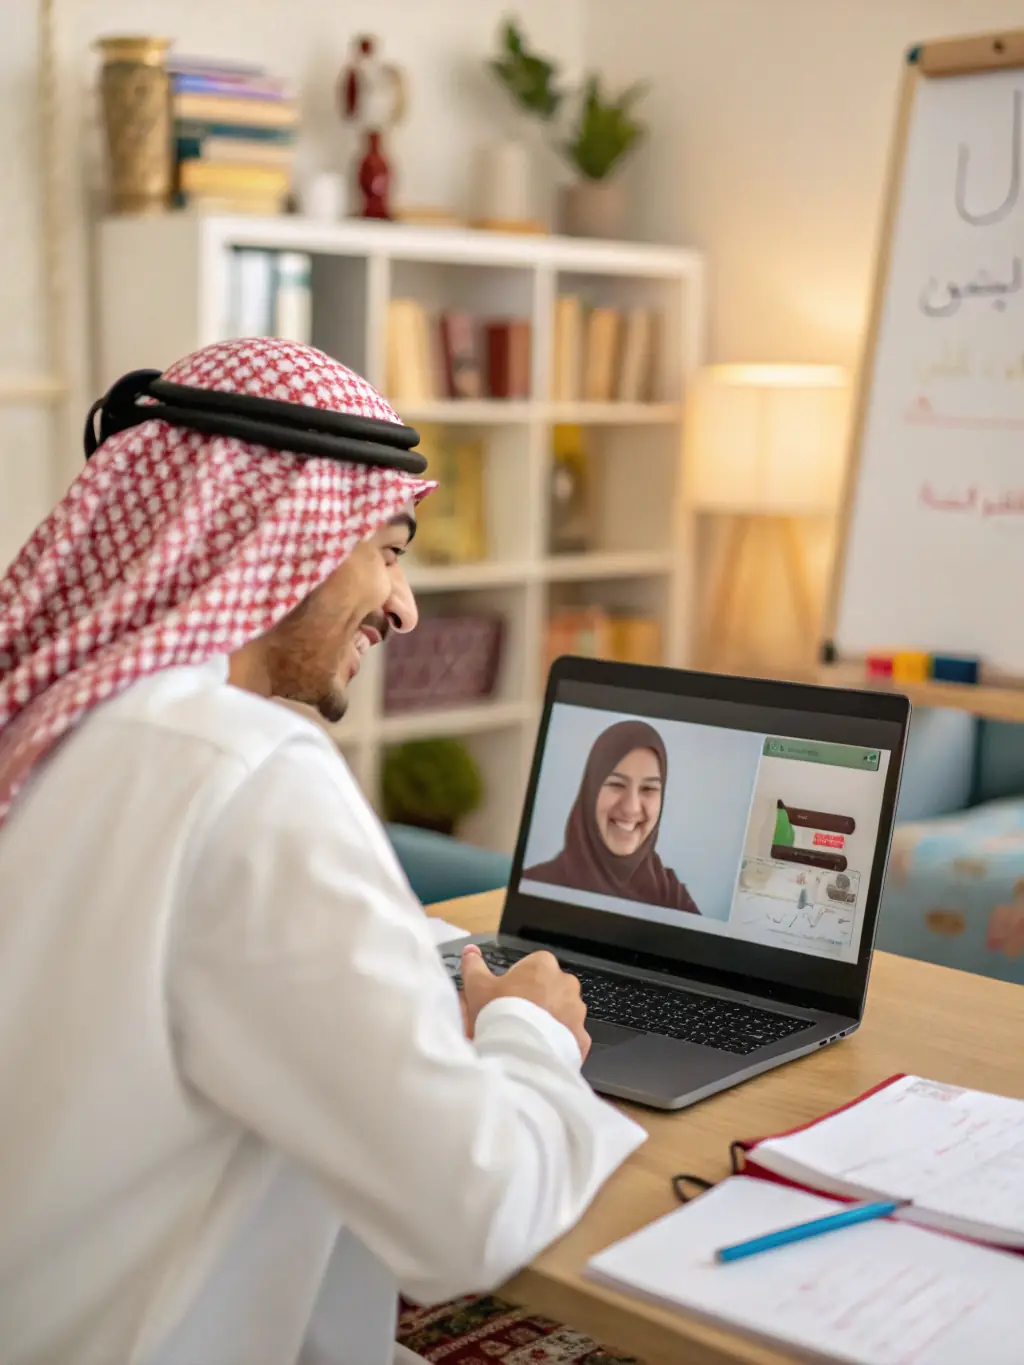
{"x": 602, "y": 355}
{"x": 455, "y": 355}
{"x": 234, "y": 129}
{"x": 595, "y": 633}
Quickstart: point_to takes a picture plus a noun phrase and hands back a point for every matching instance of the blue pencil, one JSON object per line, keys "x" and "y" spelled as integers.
{"x": 859, "y": 1213}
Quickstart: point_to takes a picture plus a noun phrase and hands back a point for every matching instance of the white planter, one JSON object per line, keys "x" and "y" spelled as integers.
{"x": 323, "y": 197}
{"x": 504, "y": 185}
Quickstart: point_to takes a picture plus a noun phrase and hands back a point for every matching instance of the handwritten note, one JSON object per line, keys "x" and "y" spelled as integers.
{"x": 958, "y": 1154}
{"x": 992, "y": 214}
{"x": 937, "y": 510}
{"x": 941, "y": 299}
{"x": 973, "y": 501}
{"x": 879, "y": 1294}
{"x": 971, "y": 363}
{"x": 879, "y": 1307}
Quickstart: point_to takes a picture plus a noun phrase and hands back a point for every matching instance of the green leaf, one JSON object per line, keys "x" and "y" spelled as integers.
{"x": 630, "y": 97}
{"x": 513, "y": 39}
{"x": 530, "y": 79}
{"x": 605, "y": 131}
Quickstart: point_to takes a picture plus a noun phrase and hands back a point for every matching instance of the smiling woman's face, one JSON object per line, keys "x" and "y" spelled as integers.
{"x": 629, "y": 802}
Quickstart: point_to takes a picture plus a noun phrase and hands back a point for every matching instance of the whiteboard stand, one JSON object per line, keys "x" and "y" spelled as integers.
{"x": 931, "y": 544}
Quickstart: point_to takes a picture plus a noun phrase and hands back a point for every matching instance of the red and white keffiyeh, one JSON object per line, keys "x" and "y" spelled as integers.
{"x": 173, "y": 547}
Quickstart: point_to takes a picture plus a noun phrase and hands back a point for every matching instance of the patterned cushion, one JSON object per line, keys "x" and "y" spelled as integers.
{"x": 955, "y": 891}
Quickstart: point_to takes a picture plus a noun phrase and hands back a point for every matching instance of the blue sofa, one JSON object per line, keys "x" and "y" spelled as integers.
{"x": 955, "y": 890}
{"x": 439, "y": 868}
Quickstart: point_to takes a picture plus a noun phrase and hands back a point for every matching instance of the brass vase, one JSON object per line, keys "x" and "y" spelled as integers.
{"x": 136, "y": 95}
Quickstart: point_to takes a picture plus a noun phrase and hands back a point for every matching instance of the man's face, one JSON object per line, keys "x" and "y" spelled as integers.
{"x": 316, "y": 651}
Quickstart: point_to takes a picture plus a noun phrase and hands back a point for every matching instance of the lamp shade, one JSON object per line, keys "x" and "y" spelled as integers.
{"x": 767, "y": 439}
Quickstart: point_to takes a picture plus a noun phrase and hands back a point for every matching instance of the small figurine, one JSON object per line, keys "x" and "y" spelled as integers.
{"x": 372, "y": 95}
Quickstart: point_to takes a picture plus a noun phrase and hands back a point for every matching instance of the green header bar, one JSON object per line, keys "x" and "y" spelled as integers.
{"x": 813, "y": 751}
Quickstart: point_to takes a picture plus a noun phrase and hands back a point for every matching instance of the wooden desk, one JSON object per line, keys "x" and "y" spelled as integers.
{"x": 927, "y": 1020}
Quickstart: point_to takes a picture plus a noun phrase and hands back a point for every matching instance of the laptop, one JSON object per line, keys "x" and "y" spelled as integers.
{"x": 707, "y": 855}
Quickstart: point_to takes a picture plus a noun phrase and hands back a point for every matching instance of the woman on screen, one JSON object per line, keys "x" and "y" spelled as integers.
{"x": 613, "y": 825}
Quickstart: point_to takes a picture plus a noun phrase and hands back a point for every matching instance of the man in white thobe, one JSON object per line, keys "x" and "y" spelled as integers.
{"x": 240, "y": 1109}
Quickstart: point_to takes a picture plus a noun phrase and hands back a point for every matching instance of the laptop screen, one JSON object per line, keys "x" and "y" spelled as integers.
{"x": 727, "y": 818}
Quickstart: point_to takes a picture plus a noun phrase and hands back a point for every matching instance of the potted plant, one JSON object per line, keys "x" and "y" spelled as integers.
{"x": 603, "y": 130}
{"x": 604, "y": 133}
{"x": 505, "y": 176}
{"x": 431, "y": 784}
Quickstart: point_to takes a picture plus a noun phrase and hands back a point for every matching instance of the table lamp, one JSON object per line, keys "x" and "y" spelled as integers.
{"x": 765, "y": 448}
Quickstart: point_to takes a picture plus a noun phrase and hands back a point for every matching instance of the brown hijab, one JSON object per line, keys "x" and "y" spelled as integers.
{"x": 586, "y": 863}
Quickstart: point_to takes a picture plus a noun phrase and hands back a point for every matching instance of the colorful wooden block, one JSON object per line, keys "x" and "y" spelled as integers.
{"x": 911, "y": 666}
{"x": 879, "y": 665}
{"x": 955, "y": 668}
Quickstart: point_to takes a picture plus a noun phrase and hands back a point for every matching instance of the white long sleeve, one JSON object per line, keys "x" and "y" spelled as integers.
{"x": 308, "y": 1001}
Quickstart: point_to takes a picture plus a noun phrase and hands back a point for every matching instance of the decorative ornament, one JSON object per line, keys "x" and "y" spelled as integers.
{"x": 372, "y": 95}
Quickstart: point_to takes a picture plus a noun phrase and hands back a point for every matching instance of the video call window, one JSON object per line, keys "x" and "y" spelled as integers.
{"x": 751, "y": 835}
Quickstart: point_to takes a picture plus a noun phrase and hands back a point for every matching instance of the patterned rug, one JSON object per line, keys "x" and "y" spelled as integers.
{"x": 482, "y": 1330}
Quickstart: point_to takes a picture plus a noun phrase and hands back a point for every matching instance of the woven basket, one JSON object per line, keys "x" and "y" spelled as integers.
{"x": 447, "y": 661}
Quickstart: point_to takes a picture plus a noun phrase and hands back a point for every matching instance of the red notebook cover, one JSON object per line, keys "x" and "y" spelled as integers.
{"x": 744, "y": 1162}
{"x": 744, "y": 1151}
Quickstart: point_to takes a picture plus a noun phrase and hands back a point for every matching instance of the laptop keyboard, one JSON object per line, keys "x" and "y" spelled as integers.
{"x": 665, "y": 1010}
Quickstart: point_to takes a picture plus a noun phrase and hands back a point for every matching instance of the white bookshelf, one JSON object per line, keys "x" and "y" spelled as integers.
{"x": 163, "y": 290}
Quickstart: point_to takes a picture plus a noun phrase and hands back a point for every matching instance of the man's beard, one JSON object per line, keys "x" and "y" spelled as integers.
{"x": 333, "y": 703}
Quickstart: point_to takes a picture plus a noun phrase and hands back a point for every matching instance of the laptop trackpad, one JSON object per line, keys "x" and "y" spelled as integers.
{"x": 657, "y": 1064}
{"x": 608, "y": 1035}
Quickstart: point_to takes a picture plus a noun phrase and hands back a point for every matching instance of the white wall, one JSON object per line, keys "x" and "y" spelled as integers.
{"x": 770, "y": 123}
{"x": 454, "y": 107}
{"x": 25, "y": 466}
{"x": 770, "y": 128}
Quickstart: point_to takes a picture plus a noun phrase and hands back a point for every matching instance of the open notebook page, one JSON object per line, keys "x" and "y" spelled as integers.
{"x": 958, "y": 1154}
{"x": 881, "y": 1293}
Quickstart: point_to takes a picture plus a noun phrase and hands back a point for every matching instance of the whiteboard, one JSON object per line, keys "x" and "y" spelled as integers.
{"x": 933, "y": 557}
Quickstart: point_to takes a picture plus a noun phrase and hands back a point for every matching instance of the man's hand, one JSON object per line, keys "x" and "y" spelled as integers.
{"x": 537, "y": 978}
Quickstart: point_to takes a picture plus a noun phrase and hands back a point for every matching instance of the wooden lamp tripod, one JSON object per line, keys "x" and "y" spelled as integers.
{"x": 765, "y": 449}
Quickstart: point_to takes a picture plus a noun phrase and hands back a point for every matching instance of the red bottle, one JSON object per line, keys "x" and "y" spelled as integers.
{"x": 375, "y": 179}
